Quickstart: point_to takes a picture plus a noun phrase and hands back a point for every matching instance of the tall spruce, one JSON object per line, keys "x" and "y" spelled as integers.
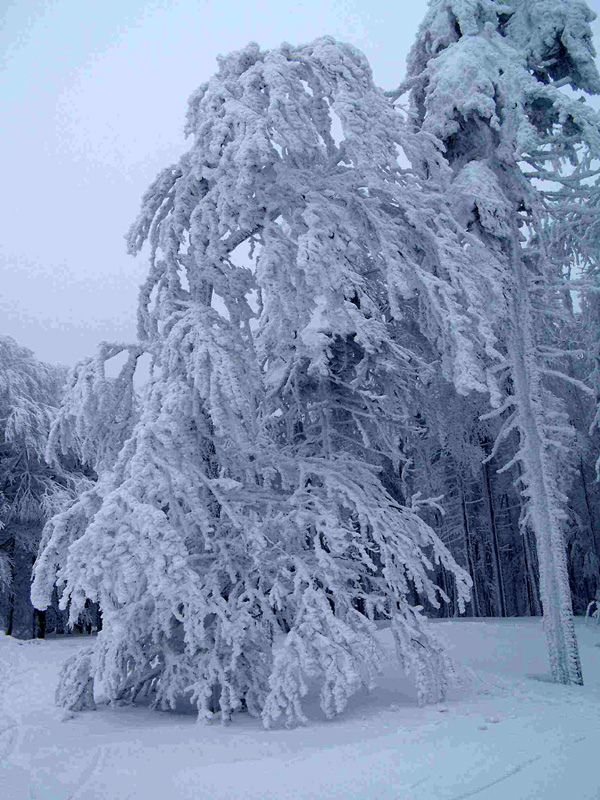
{"x": 486, "y": 79}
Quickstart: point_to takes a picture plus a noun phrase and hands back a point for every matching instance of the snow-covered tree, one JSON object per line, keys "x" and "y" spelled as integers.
{"x": 485, "y": 78}
{"x": 30, "y": 489}
{"x": 96, "y": 417}
{"x": 97, "y": 413}
{"x": 302, "y": 284}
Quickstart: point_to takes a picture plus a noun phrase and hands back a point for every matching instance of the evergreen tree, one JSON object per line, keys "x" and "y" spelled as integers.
{"x": 485, "y": 78}
{"x": 30, "y": 490}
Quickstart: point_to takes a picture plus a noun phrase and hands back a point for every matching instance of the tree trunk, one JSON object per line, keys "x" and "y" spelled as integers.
{"x": 21, "y": 624}
{"x": 499, "y": 593}
{"x": 588, "y": 508}
{"x": 39, "y": 623}
{"x": 11, "y": 595}
{"x": 538, "y": 475}
{"x": 475, "y": 604}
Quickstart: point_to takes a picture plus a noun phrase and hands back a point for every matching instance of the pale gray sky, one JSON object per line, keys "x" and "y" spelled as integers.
{"x": 94, "y": 95}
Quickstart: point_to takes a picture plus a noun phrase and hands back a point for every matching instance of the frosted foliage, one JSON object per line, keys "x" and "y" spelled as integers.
{"x": 95, "y": 419}
{"x": 557, "y": 35}
{"x": 29, "y": 390}
{"x": 29, "y": 393}
{"x": 75, "y": 690}
{"x": 553, "y": 36}
{"x": 97, "y": 413}
{"x": 61, "y": 530}
{"x": 242, "y": 541}
{"x": 5, "y": 572}
{"x": 486, "y": 79}
{"x": 479, "y": 197}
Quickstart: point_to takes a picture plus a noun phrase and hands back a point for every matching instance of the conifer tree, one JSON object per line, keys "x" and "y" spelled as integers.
{"x": 485, "y": 78}
{"x": 30, "y": 490}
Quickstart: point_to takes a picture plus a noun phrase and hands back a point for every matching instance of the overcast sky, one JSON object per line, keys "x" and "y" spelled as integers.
{"x": 93, "y": 96}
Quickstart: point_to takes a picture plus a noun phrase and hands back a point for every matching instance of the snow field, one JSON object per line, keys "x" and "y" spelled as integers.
{"x": 506, "y": 732}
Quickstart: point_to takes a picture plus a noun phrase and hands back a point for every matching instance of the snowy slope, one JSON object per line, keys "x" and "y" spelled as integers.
{"x": 506, "y": 733}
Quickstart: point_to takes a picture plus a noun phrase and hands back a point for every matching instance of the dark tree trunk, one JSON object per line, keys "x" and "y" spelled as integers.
{"x": 475, "y": 603}
{"x": 532, "y": 578}
{"x": 39, "y": 623}
{"x": 21, "y": 624}
{"x": 588, "y": 508}
{"x": 499, "y": 593}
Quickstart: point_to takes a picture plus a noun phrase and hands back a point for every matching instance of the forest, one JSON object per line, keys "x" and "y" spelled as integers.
{"x": 372, "y": 324}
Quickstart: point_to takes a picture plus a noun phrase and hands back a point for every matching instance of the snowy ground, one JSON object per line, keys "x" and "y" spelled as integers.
{"x": 508, "y": 733}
